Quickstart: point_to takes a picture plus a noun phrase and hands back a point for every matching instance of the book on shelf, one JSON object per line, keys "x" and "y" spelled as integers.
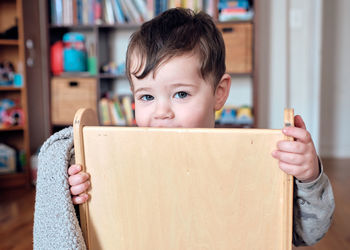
{"x": 109, "y": 17}
{"x": 127, "y": 105}
{"x": 105, "y": 115}
{"x": 116, "y": 112}
{"x": 160, "y": 6}
{"x": 76, "y": 12}
{"x": 98, "y": 12}
{"x": 141, "y": 6}
{"x": 90, "y": 12}
{"x": 118, "y": 13}
{"x": 150, "y": 9}
{"x": 131, "y": 11}
{"x": 209, "y": 7}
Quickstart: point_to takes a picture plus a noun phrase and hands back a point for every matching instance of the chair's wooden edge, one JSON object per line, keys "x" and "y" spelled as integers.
{"x": 83, "y": 117}
{"x": 288, "y": 191}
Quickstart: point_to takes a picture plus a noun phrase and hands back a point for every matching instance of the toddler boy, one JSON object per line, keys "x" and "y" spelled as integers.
{"x": 176, "y": 68}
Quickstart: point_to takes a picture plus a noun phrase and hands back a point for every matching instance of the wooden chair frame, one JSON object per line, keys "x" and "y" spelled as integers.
{"x": 226, "y": 193}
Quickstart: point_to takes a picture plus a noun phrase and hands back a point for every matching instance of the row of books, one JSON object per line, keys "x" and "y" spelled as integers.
{"x": 74, "y": 12}
{"x": 89, "y": 12}
{"x": 231, "y": 10}
{"x": 138, "y": 11}
{"x": 117, "y": 111}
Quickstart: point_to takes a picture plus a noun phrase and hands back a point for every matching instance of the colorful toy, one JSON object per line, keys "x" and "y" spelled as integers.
{"x": 7, "y": 72}
{"x": 13, "y": 117}
{"x": 7, "y": 159}
{"x": 228, "y": 116}
{"x": 113, "y": 68}
{"x": 56, "y": 58}
{"x": 244, "y": 115}
{"x": 74, "y": 52}
{"x": 10, "y": 114}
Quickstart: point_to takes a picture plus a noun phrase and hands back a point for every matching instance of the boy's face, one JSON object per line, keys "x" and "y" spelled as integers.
{"x": 176, "y": 96}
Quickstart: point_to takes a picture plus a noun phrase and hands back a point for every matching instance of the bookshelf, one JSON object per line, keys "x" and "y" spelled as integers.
{"x": 14, "y": 135}
{"x": 110, "y": 40}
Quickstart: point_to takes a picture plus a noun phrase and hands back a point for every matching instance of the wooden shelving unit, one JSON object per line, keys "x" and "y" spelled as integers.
{"x": 8, "y": 42}
{"x": 10, "y": 88}
{"x": 13, "y": 50}
{"x": 13, "y": 128}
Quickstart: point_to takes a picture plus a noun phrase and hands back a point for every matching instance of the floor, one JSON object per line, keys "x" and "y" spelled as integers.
{"x": 16, "y": 219}
{"x": 338, "y": 236}
{"x": 16, "y": 213}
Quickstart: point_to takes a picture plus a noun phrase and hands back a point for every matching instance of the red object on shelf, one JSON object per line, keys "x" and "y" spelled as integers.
{"x": 57, "y": 58}
{"x": 12, "y": 117}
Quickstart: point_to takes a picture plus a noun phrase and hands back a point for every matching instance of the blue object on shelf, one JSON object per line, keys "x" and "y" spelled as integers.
{"x": 17, "y": 80}
{"x": 6, "y": 83}
{"x": 228, "y": 116}
{"x": 74, "y": 52}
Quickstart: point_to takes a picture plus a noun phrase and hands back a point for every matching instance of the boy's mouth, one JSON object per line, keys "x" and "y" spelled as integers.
{"x": 164, "y": 126}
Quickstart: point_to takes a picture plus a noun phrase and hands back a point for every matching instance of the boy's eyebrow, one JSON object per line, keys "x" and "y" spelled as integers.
{"x": 143, "y": 89}
{"x": 183, "y": 85}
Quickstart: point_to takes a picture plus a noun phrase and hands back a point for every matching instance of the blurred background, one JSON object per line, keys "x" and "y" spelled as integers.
{"x": 59, "y": 55}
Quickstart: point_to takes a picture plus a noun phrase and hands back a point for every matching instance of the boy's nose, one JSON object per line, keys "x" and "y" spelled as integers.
{"x": 163, "y": 111}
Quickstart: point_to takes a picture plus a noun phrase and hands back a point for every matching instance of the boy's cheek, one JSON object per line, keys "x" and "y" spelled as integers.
{"x": 142, "y": 117}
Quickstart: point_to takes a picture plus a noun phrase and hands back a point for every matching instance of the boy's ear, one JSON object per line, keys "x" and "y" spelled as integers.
{"x": 222, "y": 91}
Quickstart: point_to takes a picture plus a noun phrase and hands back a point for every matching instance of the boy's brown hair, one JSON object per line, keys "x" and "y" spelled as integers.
{"x": 173, "y": 33}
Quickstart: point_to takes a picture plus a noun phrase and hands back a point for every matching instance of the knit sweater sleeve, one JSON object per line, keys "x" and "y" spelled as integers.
{"x": 55, "y": 222}
{"x": 313, "y": 210}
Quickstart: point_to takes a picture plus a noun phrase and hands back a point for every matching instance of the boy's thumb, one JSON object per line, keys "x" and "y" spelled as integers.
{"x": 298, "y": 122}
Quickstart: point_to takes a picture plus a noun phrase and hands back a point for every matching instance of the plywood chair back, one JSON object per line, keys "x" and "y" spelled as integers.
{"x": 180, "y": 189}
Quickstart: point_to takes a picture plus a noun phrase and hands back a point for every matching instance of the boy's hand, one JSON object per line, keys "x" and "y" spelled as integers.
{"x": 298, "y": 157}
{"x": 79, "y": 182}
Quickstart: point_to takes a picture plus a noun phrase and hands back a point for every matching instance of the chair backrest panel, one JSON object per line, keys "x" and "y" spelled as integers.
{"x": 186, "y": 189}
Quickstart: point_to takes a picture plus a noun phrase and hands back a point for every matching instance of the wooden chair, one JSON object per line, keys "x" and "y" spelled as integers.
{"x": 182, "y": 189}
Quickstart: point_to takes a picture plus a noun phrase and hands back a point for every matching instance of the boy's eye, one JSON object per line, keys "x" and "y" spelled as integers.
{"x": 181, "y": 94}
{"x": 147, "y": 98}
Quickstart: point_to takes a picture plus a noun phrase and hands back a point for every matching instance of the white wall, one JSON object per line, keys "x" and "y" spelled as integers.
{"x": 291, "y": 59}
{"x": 305, "y": 62}
{"x": 319, "y": 83}
{"x": 335, "y": 105}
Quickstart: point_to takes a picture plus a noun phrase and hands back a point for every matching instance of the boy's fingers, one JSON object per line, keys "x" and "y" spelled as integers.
{"x": 74, "y": 169}
{"x": 78, "y": 178}
{"x": 299, "y": 122}
{"x": 298, "y": 133}
{"x": 292, "y": 147}
{"x": 290, "y": 169}
{"x": 80, "y": 199}
{"x": 290, "y": 158}
{"x": 79, "y": 189}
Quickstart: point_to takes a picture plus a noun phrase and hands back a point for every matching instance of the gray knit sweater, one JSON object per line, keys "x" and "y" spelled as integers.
{"x": 56, "y": 225}
{"x": 55, "y": 222}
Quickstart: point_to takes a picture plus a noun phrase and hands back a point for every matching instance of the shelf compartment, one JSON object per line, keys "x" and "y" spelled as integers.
{"x": 233, "y": 126}
{"x": 236, "y": 22}
{"x": 238, "y": 42}
{"x": 9, "y": 42}
{"x": 13, "y": 128}
{"x": 74, "y": 75}
{"x": 10, "y": 88}
{"x": 77, "y": 27}
{"x": 111, "y": 76}
{"x": 13, "y": 180}
{"x": 119, "y": 26}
